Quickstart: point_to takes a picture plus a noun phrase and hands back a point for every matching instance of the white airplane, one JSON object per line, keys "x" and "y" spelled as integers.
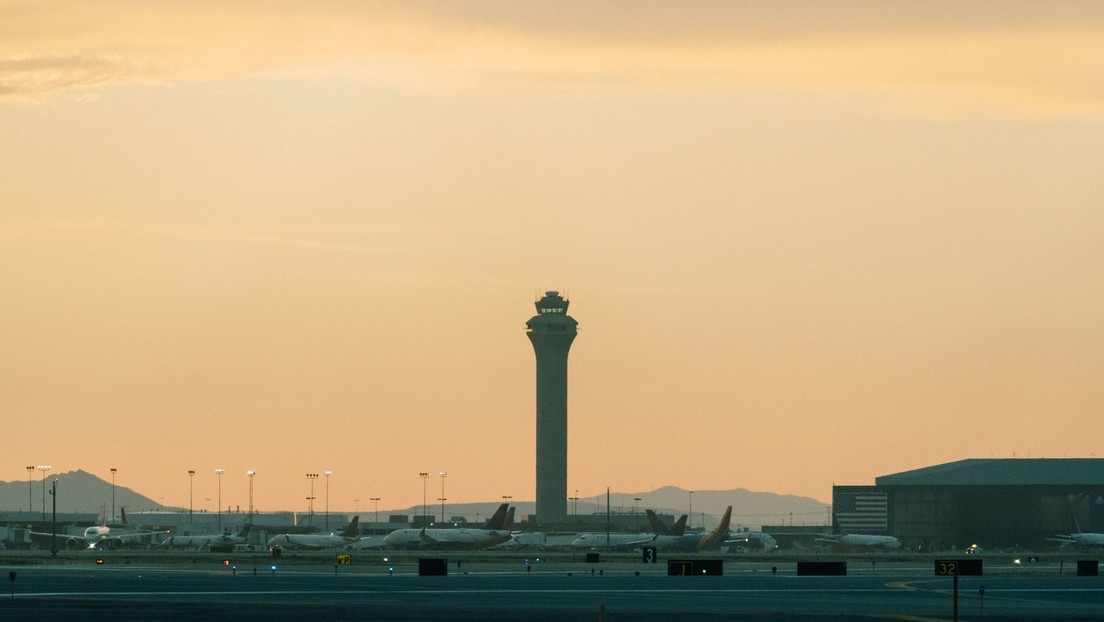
{"x": 600, "y": 539}
{"x": 540, "y": 540}
{"x": 495, "y": 532}
{"x": 859, "y": 539}
{"x": 695, "y": 542}
{"x": 752, "y": 542}
{"x": 317, "y": 540}
{"x": 597, "y": 540}
{"x": 219, "y": 542}
{"x": 1080, "y": 538}
{"x": 99, "y": 536}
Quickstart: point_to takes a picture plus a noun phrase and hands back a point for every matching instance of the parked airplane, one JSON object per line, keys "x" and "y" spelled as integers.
{"x": 595, "y": 540}
{"x": 541, "y": 540}
{"x": 752, "y": 542}
{"x": 220, "y": 542}
{"x": 1080, "y": 538}
{"x": 696, "y": 541}
{"x": 317, "y": 540}
{"x": 858, "y": 539}
{"x": 99, "y": 536}
{"x": 495, "y": 532}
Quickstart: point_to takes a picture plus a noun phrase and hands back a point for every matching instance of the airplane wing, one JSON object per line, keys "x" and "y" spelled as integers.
{"x": 112, "y": 536}
{"x": 639, "y": 542}
{"x": 133, "y": 534}
{"x": 54, "y": 535}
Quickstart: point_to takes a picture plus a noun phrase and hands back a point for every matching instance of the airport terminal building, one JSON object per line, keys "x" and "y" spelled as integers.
{"x": 999, "y": 503}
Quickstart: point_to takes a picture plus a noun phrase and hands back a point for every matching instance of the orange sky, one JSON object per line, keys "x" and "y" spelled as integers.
{"x": 806, "y": 243}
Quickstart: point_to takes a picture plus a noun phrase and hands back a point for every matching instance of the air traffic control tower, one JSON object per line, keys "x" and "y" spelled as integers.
{"x": 551, "y": 331}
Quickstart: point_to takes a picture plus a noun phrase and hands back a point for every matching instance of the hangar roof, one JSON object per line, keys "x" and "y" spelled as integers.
{"x": 1003, "y": 471}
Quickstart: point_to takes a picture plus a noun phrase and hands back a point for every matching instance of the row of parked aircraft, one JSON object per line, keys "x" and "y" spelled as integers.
{"x": 498, "y": 531}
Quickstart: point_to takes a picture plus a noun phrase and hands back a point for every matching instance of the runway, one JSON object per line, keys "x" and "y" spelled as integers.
{"x": 548, "y": 591}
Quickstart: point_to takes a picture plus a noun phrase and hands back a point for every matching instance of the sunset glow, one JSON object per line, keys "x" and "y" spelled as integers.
{"x": 806, "y": 243}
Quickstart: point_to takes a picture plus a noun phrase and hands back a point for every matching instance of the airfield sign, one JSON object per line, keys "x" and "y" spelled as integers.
{"x": 957, "y": 567}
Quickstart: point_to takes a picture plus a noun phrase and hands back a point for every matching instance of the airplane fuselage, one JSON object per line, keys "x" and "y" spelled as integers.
{"x": 199, "y": 542}
{"x": 446, "y": 538}
{"x": 97, "y": 533}
{"x": 1088, "y": 539}
{"x": 855, "y": 539}
{"x": 310, "y": 541}
{"x": 613, "y": 540}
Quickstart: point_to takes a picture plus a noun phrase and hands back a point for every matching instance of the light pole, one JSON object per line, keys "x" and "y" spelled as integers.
{"x": 424, "y": 476}
{"x": 113, "y": 471}
{"x": 30, "y": 488}
{"x": 53, "y": 528}
{"x": 376, "y": 500}
{"x": 250, "y": 474}
{"x": 191, "y": 480}
{"x": 690, "y": 514}
{"x": 44, "y": 468}
{"x": 442, "y": 474}
{"x": 575, "y": 505}
{"x": 310, "y": 500}
{"x": 219, "y": 472}
{"x": 327, "y": 519}
{"x": 637, "y": 509}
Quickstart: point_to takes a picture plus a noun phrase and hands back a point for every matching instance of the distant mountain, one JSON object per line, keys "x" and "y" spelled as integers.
{"x": 749, "y": 509}
{"x": 78, "y": 492}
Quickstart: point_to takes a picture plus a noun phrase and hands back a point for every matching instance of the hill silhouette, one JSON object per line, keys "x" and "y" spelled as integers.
{"x": 78, "y": 492}
{"x": 82, "y": 492}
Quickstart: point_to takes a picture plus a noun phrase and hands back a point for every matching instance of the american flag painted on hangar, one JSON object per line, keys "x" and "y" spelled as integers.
{"x": 861, "y": 511}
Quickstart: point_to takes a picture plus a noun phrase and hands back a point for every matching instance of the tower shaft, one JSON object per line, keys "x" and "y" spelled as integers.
{"x": 551, "y": 332}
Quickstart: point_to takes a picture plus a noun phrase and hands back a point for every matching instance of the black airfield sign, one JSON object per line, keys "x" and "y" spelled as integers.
{"x": 957, "y": 567}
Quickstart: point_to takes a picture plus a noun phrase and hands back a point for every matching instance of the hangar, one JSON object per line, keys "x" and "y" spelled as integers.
{"x": 1003, "y": 502}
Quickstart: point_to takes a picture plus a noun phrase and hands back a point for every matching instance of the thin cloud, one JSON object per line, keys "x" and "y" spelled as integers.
{"x": 139, "y": 230}
{"x": 327, "y": 246}
{"x": 1004, "y": 57}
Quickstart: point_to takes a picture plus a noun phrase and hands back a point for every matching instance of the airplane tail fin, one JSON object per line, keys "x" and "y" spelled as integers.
{"x": 716, "y": 536}
{"x": 351, "y": 530}
{"x": 508, "y": 522}
{"x": 122, "y": 517}
{"x": 498, "y": 518}
{"x": 656, "y": 524}
{"x": 835, "y": 525}
{"x": 679, "y": 528}
{"x": 726, "y": 520}
{"x": 244, "y": 531}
